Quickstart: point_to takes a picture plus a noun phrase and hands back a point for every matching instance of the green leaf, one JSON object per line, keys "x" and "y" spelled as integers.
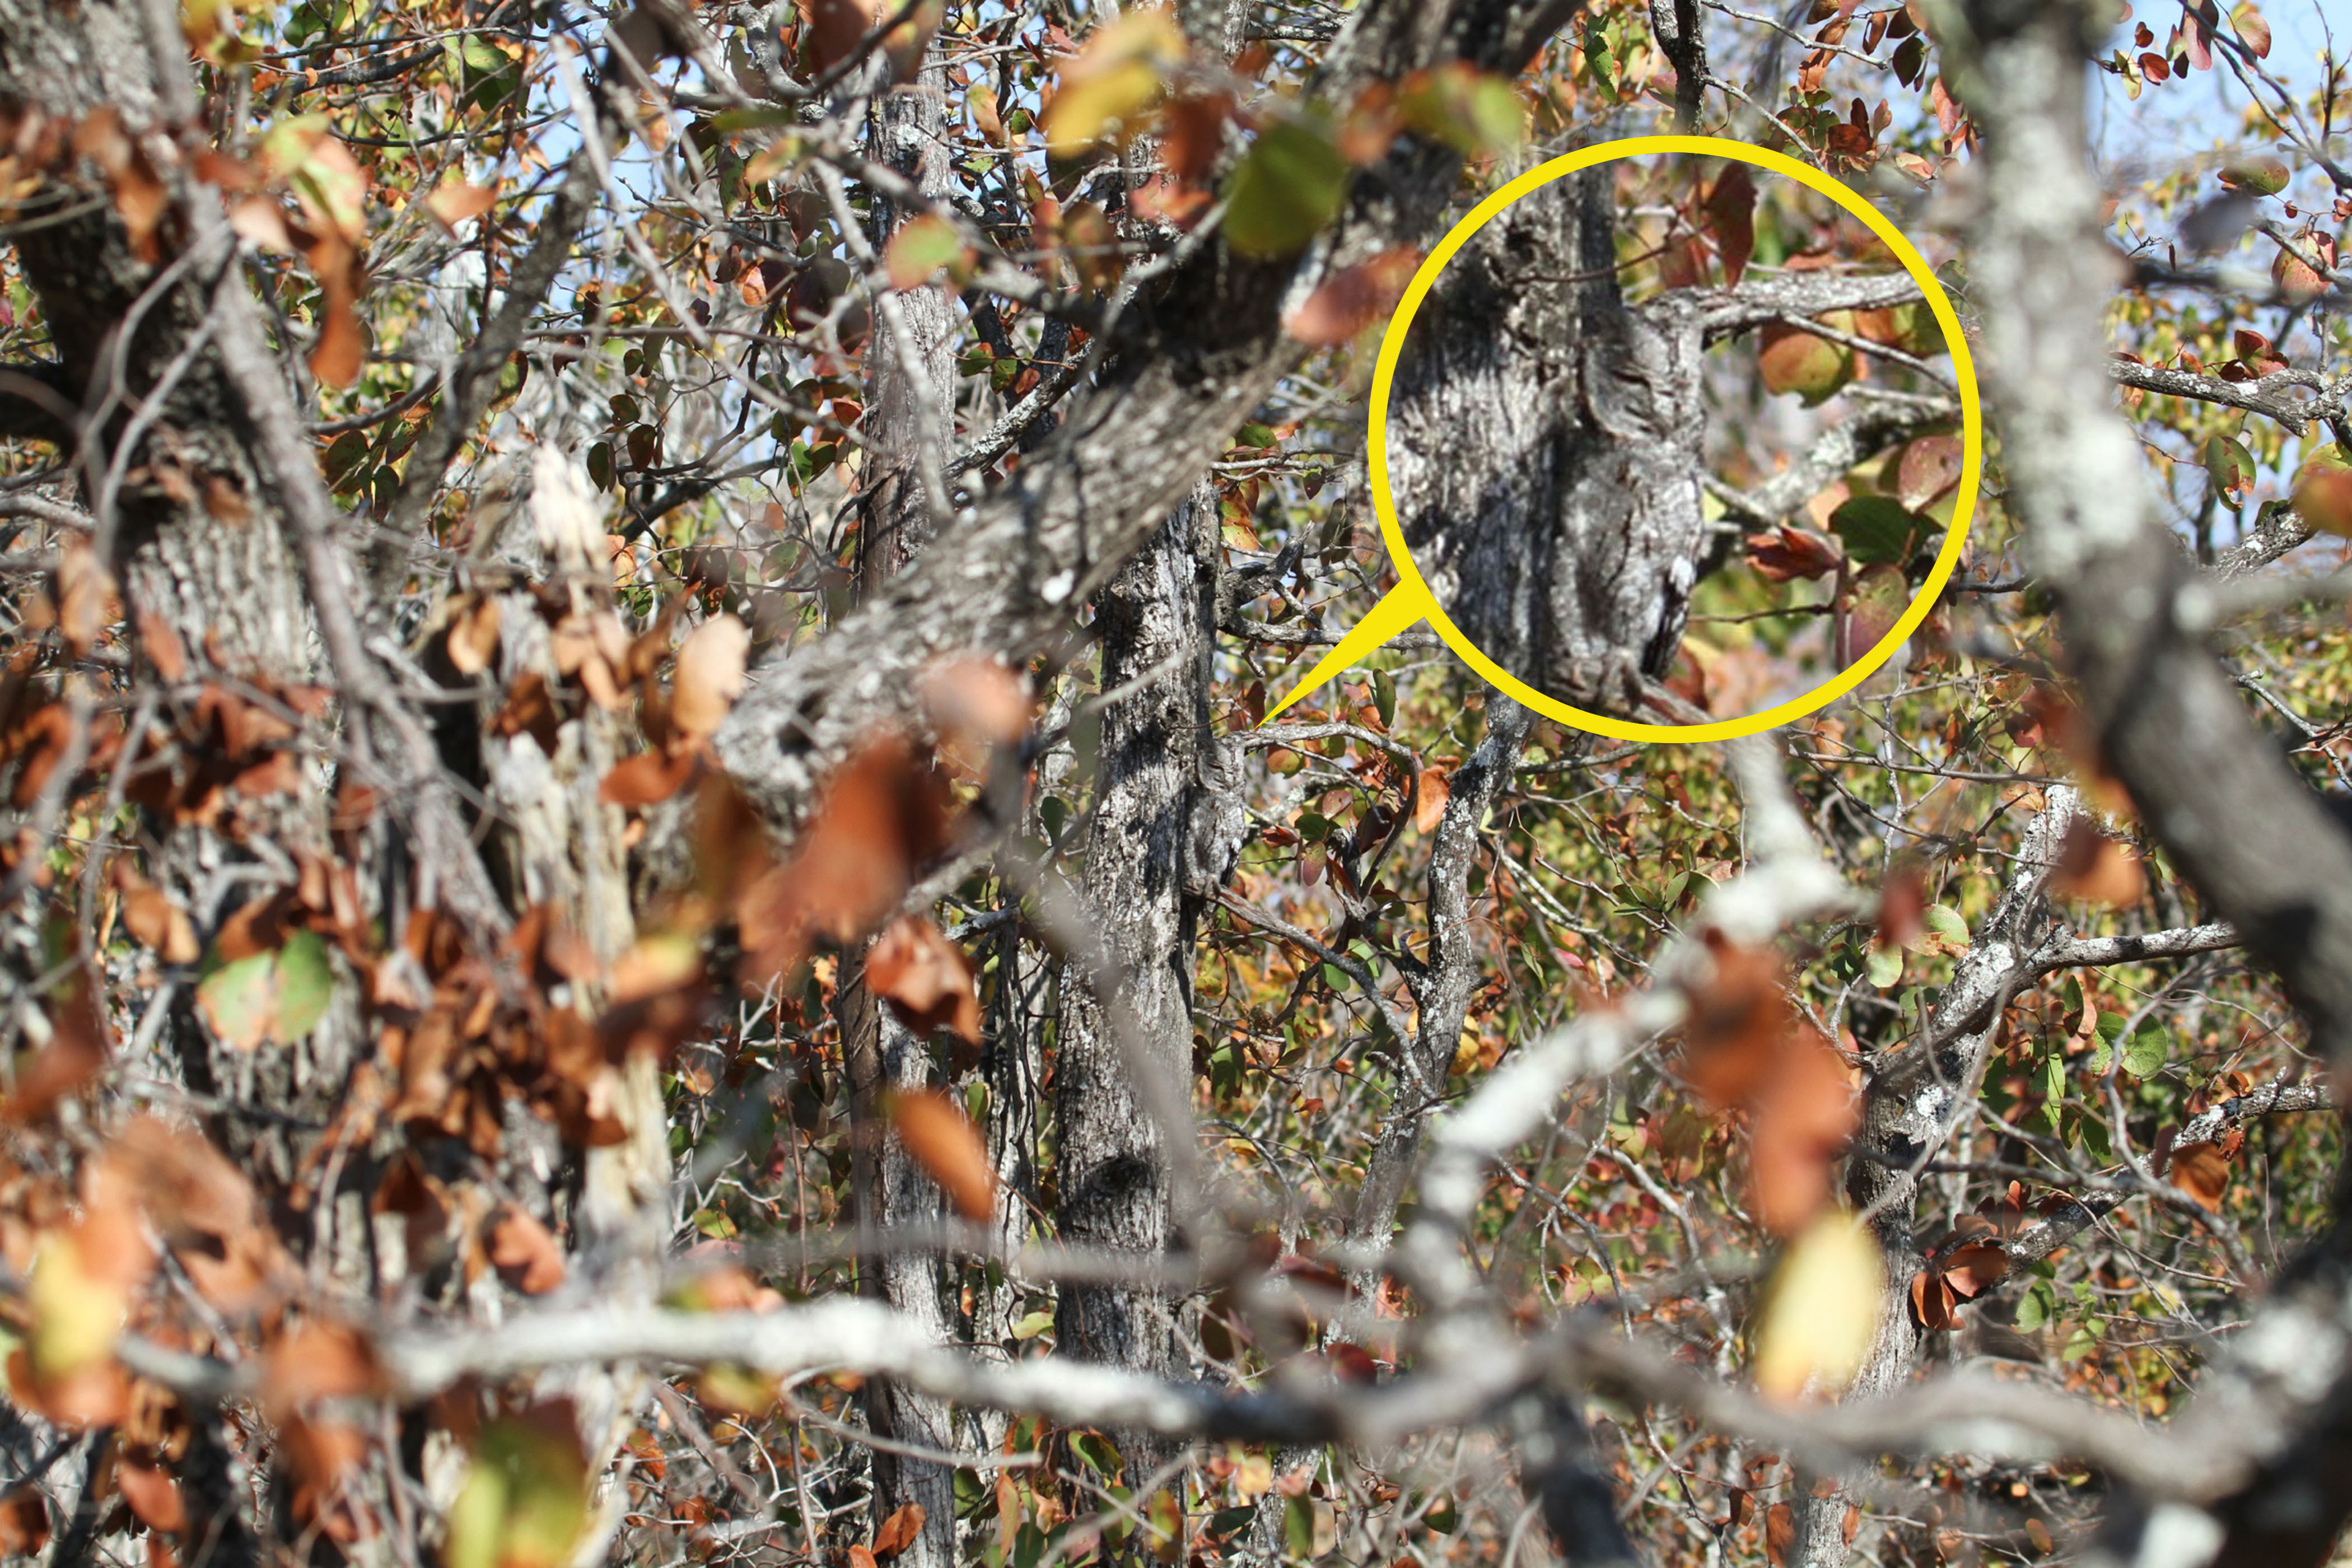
{"x": 1100, "y": 1452}
{"x": 920, "y": 249}
{"x": 1476, "y": 115}
{"x": 240, "y": 1000}
{"x": 1035, "y": 1323}
{"x": 1384, "y": 695}
{"x": 2036, "y": 1306}
{"x": 2148, "y": 1050}
{"x": 306, "y": 984}
{"x": 1946, "y": 921}
{"x": 1878, "y": 528}
{"x": 2229, "y": 466}
{"x": 1284, "y": 189}
{"x": 1256, "y": 435}
{"x": 1886, "y": 966}
{"x": 1298, "y": 1527}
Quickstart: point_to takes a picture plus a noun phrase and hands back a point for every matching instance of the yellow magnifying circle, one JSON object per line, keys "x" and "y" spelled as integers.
{"x": 1411, "y": 600}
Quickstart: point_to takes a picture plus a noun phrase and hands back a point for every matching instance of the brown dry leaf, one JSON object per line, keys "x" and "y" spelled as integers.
{"x": 1779, "y": 1533}
{"x": 24, "y": 1521}
{"x": 883, "y": 819}
{"x": 86, "y": 600}
{"x": 646, "y": 779}
{"x": 153, "y": 1495}
{"x": 1974, "y": 1269}
{"x": 1932, "y": 1300}
{"x": 1435, "y": 790}
{"x": 943, "y": 1143}
{"x": 1804, "y": 1116}
{"x": 525, "y": 1252}
{"x": 924, "y": 977}
{"x": 472, "y": 638}
{"x": 139, "y": 194}
{"x": 1353, "y": 299}
{"x": 898, "y": 1531}
{"x": 830, "y": 29}
{"x": 150, "y": 916}
{"x": 317, "y": 1359}
{"x": 454, "y": 201}
{"x": 2096, "y": 868}
{"x": 709, "y": 676}
{"x": 977, "y": 699}
{"x": 1902, "y": 907}
{"x": 75, "y": 1055}
{"x": 861, "y": 1557}
{"x": 1739, "y": 1022}
{"x": 2203, "y": 1173}
{"x": 204, "y": 1207}
{"x": 342, "y": 349}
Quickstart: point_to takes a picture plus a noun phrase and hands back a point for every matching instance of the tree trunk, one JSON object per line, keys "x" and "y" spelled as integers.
{"x": 1146, "y": 891}
{"x": 910, "y": 367}
{"x": 1544, "y": 450}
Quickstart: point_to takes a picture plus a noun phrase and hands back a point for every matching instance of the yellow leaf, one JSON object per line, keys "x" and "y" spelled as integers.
{"x": 1821, "y": 1309}
{"x": 1119, "y": 75}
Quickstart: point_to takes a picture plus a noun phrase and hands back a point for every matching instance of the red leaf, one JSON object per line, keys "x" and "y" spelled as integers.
{"x": 1352, "y": 299}
{"x": 1790, "y": 552}
{"x": 1731, "y": 220}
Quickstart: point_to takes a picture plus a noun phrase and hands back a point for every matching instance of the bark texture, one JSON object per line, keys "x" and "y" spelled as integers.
{"x": 1544, "y": 451}
{"x": 910, "y": 363}
{"x": 1145, "y": 884}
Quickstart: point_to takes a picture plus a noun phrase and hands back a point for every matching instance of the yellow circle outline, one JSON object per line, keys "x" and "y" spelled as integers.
{"x": 1964, "y": 372}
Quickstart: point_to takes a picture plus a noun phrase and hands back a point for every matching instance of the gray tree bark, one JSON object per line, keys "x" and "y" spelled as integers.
{"x": 1146, "y": 885}
{"x": 1544, "y": 451}
{"x": 910, "y": 366}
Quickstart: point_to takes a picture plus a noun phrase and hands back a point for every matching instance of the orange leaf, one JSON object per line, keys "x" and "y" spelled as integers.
{"x": 317, "y": 1359}
{"x": 341, "y": 348}
{"x": 1974, "y": 1269}
{"x": 1803, "y": 1117}
{"x": 1352, "y": 299}
{"x": 472, "y": 637}
{"x": 1435, "y": 791}
{"x": 883, "y": 818}
{"x": 945, "y": 1144}
{"x": 710, "y": 675}
{"x": 2098, "y": 869}
{"x": 924, "y": 977}
{"x": 525, "y": 1252}
{"x": 983, "y": 699}
{"x": 153, "y": 1495}
{"x": 1739, "y": 1022}
{"x": 2203, "y": 1173}
{"x": 646, "y": 779}
{"x": 898, "y": 1531}
{"x": 454, "y": 201}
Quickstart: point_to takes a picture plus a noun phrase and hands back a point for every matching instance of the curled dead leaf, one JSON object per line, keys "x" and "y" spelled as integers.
{"x": 926, "y": 978}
